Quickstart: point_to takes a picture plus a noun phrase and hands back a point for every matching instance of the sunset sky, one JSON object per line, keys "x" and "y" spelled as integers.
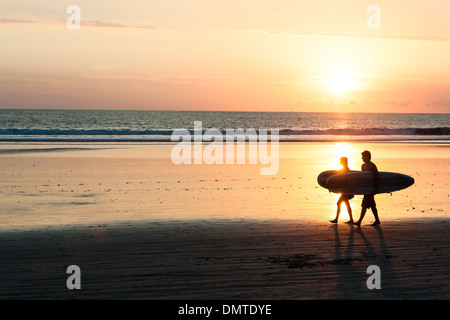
{"x": 235, "y": 55}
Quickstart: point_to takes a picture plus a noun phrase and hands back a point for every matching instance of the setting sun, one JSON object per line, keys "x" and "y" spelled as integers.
{"x": 343, "y": 82}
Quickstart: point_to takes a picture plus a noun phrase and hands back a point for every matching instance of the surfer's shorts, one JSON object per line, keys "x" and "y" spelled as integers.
{"x": 368, "y": 202}
{"x": 344, "y": 197}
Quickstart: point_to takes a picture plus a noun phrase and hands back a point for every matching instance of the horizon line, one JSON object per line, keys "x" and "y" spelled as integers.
{"x": 196, "y": 110}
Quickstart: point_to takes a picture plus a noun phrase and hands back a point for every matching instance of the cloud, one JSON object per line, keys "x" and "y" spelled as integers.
{"x": 402, "y": 103}
{"x": 108, "y": 24}
{"x": 91, "y": 23}
{"x": 439, "y": 104}
{"x": 84, "y": 23}
{"x": 11, "y": 21}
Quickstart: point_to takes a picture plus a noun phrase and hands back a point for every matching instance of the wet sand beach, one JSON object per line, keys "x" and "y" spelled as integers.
{"x": 140, "y": 227}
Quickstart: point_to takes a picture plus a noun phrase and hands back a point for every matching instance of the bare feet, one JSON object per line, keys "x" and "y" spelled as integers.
{"x": 334, "y": 221}
{"x": 377, "y": 222}
{"x": 358, "y": 224}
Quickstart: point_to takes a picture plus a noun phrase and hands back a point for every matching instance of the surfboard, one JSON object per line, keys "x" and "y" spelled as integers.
{"x": 363, "y": 182}
{"x": 323, "y": 177}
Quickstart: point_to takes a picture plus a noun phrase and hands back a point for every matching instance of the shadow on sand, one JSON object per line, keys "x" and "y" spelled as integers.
{"x": 362, "y": 249}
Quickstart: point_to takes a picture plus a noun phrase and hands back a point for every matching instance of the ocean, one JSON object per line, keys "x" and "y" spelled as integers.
{"x": 21, "y": 126}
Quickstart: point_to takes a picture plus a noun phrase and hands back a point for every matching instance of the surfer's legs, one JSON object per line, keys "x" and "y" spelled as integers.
{"x": 343, "y": 199}
{"x": 349, "y": 210}
{"x": 363, "y": 213}
{"x": 375, "y": 214}
{"x": 338, "y": 212}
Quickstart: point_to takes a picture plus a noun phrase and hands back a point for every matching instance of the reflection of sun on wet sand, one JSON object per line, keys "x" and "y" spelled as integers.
{"x": 150, "y": 229}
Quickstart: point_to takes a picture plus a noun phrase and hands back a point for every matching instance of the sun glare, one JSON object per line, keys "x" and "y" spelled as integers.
{"x": 341, "y": 82}
{"x": 342, "y": 149}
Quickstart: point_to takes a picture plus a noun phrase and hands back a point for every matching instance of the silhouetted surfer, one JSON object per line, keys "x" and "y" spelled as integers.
{"x": 344, "y": 198}
{"x": 369, "y": 200}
